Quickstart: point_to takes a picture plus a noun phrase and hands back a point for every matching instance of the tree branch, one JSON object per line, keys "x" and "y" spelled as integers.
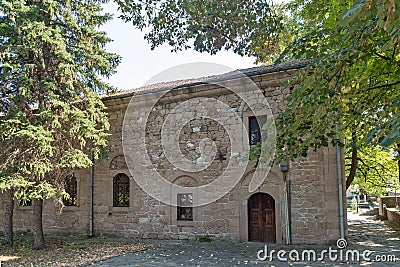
{"x": 382, "y": 56}
{"x": 383, "y": 85}
{"x": 353, "y": 166}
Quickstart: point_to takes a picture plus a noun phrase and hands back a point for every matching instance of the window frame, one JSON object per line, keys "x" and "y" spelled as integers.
{"x": 182, "y": 207}
{"x": 117, "y": 190}
{"x": 261, "y": 135}
{"x": 72, "y": 196}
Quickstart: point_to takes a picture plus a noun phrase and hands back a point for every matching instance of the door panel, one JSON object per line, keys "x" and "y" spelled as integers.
{"x": 261, "y": 211}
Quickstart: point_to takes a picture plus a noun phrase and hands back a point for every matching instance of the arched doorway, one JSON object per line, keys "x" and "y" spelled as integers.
{"x": 261, "y": 212}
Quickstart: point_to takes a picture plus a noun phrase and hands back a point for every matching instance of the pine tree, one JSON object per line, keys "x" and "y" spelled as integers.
{"x": 52, "y": 62}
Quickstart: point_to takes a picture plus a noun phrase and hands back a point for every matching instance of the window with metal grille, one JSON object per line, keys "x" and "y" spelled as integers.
{"x": 256, "y": 134}
{"x": 71, "y": 187}
{"x": 121, "y": 190}
{"x": 185, "y": 207}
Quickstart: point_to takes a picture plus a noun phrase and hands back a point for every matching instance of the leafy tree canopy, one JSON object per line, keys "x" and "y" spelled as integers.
{"x": 376, "y": 170}
{"x": 352, "y": 81}
{"x": 52, "y": 60}
{"x": 249, "y": 28}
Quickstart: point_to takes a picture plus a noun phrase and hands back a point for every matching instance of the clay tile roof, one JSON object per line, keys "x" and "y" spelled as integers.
{"x": 298, "y": 64}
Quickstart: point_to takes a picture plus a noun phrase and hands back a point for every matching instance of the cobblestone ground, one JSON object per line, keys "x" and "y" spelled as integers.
{"x": 364, "y": 234}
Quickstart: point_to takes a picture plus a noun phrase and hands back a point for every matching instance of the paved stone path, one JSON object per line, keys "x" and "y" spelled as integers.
{"x": 364, "y": 234}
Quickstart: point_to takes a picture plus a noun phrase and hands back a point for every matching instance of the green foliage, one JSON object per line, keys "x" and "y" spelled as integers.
{"x": 353, "y": 75}
{"x": 52, "y": 61}
{"x": 376, "y": 170}
{"x": 204, "y": 238}
{"x": 246, "y": 27}
{"x": 351, "y": 83}
{"x": 351, "y": 86}
{"x": 353, "y": 80}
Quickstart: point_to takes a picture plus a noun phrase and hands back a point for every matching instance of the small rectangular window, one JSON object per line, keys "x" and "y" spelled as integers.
{"x": 185, "y": 207}
{"x": 256, "y": 134}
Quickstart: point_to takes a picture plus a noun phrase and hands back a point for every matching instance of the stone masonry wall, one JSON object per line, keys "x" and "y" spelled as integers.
{"x": 314, "y": 192}
{"x": 313, "y": 180}
{"x": 69, "y": 220}
{"x": 1, "y": 210}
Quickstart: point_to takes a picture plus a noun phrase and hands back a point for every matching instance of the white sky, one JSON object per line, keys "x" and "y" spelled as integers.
{"x": 140, "y": 63}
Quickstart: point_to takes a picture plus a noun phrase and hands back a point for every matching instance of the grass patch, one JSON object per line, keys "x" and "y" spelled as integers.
{"x": 204, "y": 238}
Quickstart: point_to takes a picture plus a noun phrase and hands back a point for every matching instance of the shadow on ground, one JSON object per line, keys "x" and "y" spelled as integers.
{"x": 365, "y": 235}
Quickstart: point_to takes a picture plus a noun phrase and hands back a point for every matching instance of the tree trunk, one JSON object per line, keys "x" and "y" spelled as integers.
{"x": 354, "y": 158}
{"x": 38, "y": 242}
{"x": 8, "y": 220}
{"x": 398, "y": 161}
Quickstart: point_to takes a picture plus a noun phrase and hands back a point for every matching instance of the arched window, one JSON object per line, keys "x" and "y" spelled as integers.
{"x": 71, "y": 187}
{"x": 121, "y": 190}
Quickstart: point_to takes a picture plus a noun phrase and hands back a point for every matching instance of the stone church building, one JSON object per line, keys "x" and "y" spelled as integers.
{"x": 294, "y": 203}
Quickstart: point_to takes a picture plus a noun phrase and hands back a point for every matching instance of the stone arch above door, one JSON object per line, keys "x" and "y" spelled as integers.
{"x": 273, "y": 185}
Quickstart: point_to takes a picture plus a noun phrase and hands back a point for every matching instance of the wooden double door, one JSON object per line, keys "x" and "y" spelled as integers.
{"x": 262, "y": 225}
